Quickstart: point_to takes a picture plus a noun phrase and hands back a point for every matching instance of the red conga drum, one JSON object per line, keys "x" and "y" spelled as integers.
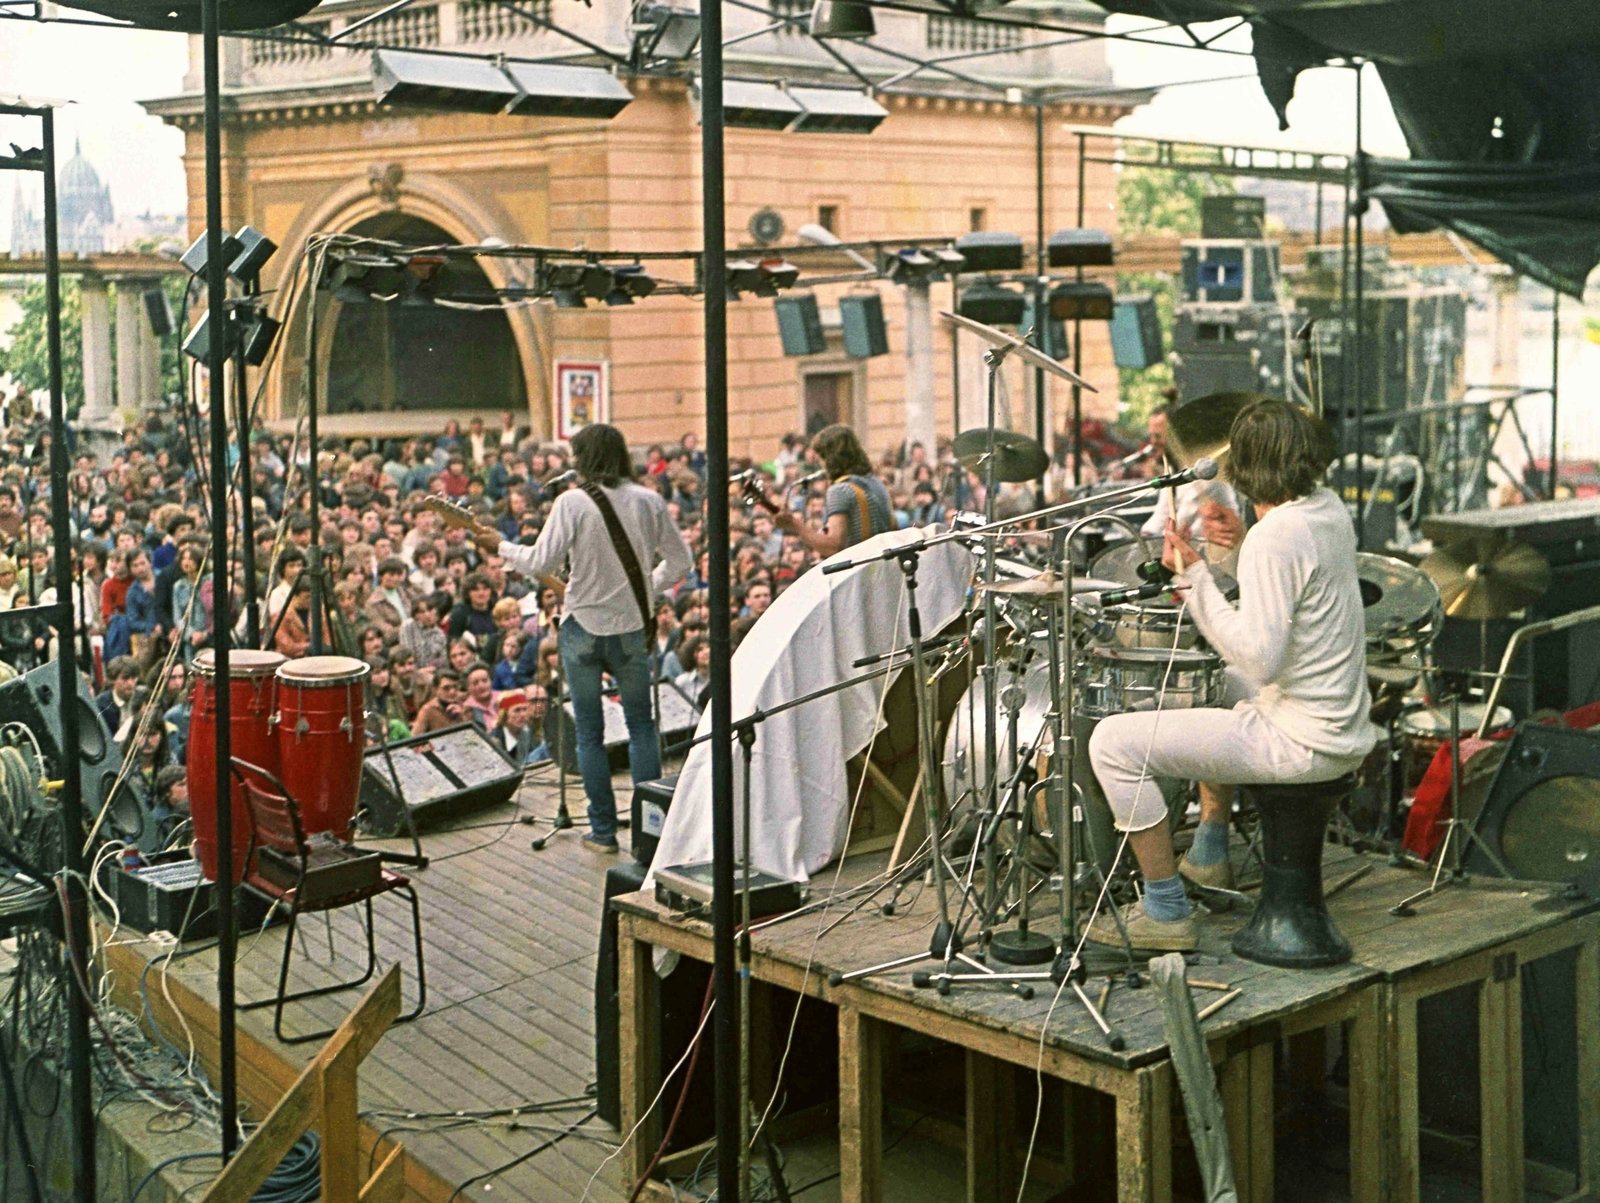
{"x": 253, "y": 701}
{"x": 321, "y": 737}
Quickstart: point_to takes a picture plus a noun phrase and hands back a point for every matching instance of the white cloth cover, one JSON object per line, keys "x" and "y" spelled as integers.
{"x": 799, "y": 796}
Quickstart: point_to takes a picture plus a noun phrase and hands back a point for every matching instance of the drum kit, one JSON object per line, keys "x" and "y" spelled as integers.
{"x": 1059, "y": 648}
{"x": 300, "y": 720}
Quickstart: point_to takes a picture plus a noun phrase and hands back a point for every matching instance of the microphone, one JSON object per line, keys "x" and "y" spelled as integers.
{"x": 1138, "y": 456}
{"x": 569, "y": 475}
{"x": 1116, "y": 597}
{"x": 810, "y": 477}
{"x": 1204, "y": 468}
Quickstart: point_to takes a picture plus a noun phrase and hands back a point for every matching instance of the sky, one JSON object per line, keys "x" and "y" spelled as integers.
{"x": 105, "y": 73}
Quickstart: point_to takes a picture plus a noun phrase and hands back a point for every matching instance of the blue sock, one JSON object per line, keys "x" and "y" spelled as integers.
{"x": 1165, "y": 900}
{"x": 1210, "y": 845}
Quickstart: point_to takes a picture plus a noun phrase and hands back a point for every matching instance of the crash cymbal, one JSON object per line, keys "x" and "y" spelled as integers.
{"x": 1202, "y": 427}
{"x": 1048, "y": 584}
{"x": 1016, "y": 456}
{"x": 1012, "y": 345}
{"x": 1493, "y": 577}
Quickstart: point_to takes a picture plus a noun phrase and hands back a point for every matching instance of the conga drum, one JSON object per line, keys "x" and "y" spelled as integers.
{"x": 252, "y": 700}
{"x": 322, "y": 736}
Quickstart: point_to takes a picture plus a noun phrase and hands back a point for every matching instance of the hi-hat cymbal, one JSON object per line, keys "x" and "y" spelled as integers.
{"x": 1048, "y": 584}
{"x": 1012, "y": 345}
{"x": 1487, "y": 578}
{"x": 1202, "y": 427}
{"x": 1016, "y": 456}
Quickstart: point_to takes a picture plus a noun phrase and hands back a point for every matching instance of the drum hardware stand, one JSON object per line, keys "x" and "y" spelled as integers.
{"x": 1406, "y": 907}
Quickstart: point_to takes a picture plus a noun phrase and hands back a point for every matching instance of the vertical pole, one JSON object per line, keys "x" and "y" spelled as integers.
{"x": 1343, "y": 382}
{"x": 221, "y": 568}
{"x": 1041, "y": 315}
{"x": 1555, "y": 381}
{"x": 247, "y": 546}
{"x": 83, "y": 1115}
{"x": 312, "y": 479}
{"x": 1319, "y": 214}
{"x": 1361, "y": 324}
{"x": 955, "y": 370}
{"x": 714, "y": 223}
{"x": 1077, "y": 342}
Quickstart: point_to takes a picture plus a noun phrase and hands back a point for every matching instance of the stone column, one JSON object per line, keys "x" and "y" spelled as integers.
{"x": 149, "y": 357}
{"x": 130, "y": 331}
{"x": 919, "y": 366}
{"x": 98, "y": 395}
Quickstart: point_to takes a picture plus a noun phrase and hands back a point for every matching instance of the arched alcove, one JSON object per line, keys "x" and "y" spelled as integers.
{"x": 395, "y": 357}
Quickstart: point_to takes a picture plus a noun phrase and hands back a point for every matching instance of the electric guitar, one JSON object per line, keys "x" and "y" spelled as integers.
{"x": 453, "y": 514}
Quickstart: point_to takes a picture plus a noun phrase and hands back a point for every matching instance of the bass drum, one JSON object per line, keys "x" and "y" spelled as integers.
{"x": 966, "y": 761}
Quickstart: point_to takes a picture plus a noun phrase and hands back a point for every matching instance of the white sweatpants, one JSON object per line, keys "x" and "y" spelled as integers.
{"x": 1232, "y": 744}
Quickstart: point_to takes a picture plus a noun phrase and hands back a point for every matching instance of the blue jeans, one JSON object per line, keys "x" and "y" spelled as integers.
{"x": 584, "y": 657}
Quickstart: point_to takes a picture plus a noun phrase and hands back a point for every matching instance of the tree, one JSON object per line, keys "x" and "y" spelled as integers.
{"x": 1154, "y": 201}
{"x": 27, "y": 359}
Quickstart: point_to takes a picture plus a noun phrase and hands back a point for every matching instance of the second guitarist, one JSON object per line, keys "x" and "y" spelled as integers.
{"x": 624, "y": 548}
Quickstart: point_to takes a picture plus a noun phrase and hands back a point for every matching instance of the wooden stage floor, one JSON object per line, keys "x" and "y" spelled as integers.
{"x": 511, "y": 940}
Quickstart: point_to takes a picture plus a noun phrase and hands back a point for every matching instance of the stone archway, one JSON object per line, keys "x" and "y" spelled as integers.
{"x": 394, "y": 357}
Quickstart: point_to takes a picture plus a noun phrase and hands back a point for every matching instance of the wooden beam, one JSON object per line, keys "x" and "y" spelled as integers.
{"x": 640, "y": 1053}
{"x": 341, "y": 1159}
{"x": 860, "y": 1108}
{"x": 1144, "y": 1137}
{"x": 991, "y": 1135}
{"x": 1586, "y": 999}
{"x": 1500, "y": 1075}
{"x": 388, "y": 1185}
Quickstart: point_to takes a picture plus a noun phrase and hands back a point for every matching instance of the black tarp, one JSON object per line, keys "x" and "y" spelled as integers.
{"x": 1499, "y": 101}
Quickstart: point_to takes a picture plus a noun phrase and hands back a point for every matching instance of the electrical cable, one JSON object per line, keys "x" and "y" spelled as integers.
{"x": 516, "y": 1161}
{"x": 683, "y": 1094}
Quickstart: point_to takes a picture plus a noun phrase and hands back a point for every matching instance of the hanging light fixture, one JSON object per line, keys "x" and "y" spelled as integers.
{"x": 842, "y": 19}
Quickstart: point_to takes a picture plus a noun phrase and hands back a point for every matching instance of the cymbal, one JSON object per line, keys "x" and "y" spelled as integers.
{"x": 1048, "y": 584}
{"x": 1202, "y": 427}
{"x": 1012, "y": 345}
{"x": 1016, "y": 456}
{"x": 1492, "y": 577}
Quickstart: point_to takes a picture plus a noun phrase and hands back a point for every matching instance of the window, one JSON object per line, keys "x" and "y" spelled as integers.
{"x": 977, "y": 219}
{"x": 963, "y": 33}
{"x": 828, "y": 218}
{"x": 829, "y": 398}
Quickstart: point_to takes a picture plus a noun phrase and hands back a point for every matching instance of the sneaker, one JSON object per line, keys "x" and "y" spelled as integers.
{"x": 1144, "y": 933}
{"x": 1210, "y": 877}
{"x": 599, "y": 847}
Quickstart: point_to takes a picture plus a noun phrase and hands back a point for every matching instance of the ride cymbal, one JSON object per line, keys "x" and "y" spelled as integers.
{"x": 1492, "y": 577}
{"x": 1202, "y": 427}
{"x": 1016, "y": 456}
{"x": 1012, "y": 345}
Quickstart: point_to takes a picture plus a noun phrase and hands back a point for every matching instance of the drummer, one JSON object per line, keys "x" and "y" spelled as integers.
{"x": 1296, "y": 675}
{"x": 1212, "y": 504}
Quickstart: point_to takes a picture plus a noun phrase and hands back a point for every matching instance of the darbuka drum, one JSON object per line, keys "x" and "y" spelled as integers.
{"x": 252, "y": 702}
{"x": 321, "y": 737}
{"x": 1426, "y": 729}
{"x": 1119, "y": 680}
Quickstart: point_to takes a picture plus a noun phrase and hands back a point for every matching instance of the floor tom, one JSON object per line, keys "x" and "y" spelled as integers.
{"x": 1423, "y": 730}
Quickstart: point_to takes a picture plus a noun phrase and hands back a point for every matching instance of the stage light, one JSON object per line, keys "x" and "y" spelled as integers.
{"x": 991, "y": 251}
{"x": 1080, "y": 248}
{"x": 555, "y": 90}
{"x": 836, "y": 111}
{"x": 777, "y": 274}
{"x": 744, "y": 275}
{"x": 1085, "y": 302}
{"x": 911, "y": 264}
{"x": 258, "y": 335}
{"x": 992, "y": 304}
{"x": 565, "y": 282}
{"x": 951, "y": 261}
{"x": 755, "y": 106}
{"x": 255, "y": 248}
{"x": 661, "y": 31}
{"x": 195, "y": 258}
{"x": 842, "y": 19}
{"x": 433, "y": 81}
{"x": 198, "y": 344}
{"x": 630, "y": 283}
{"x": 762, "y": 277}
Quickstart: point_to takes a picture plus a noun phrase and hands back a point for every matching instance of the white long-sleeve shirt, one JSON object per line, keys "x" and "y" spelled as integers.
{"x": 598, "y": 593}
{"x": 1190, "y": 498}
{"x": 1299, "y": 631}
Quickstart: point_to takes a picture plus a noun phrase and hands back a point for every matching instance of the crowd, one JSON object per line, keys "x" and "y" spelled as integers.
{"x": 450, "y": 636}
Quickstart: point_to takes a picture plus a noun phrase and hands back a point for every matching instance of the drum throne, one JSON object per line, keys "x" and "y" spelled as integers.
{"x": 1291, "y": 927}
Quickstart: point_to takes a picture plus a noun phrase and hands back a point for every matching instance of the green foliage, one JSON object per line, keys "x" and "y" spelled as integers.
{"x": 27, "y": 359}
{"x": 1151, "y": 201}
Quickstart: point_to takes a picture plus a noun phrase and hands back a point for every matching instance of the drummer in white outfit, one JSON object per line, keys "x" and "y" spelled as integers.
{"x": 1296, "y": 669}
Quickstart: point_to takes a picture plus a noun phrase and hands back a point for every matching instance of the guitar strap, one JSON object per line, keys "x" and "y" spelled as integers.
{"x": 864, "y": 507}
{"x": 625, "y": 552}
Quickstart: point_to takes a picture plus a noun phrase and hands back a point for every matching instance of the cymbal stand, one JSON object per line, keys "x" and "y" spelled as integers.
{"x": 1406, "y": 907}
{"x": 994, "y": 358}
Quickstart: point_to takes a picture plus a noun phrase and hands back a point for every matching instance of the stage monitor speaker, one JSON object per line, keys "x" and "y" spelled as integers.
{"x": 1136, "y": 332}
{"x": 158, "y": 311}
{"x": 651, "y": 801}
{"x": 800, "y": 324}
{"x": 861, "y": 318}
{"x": 1542, "y": 815}
{"x": 677, "y": 722}
{"x": 32, "y": 700}
{"x": 436, "y": 776}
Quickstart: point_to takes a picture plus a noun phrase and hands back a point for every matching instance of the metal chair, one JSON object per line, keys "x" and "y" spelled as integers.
{"x": 275, "y": 824}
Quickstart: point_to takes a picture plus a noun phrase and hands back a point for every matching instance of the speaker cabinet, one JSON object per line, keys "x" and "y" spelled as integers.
{"x": 435, "y": 777}
{"x": 1542, "y": 815}
{"x": 651, "y": 801}
{"x": 677, "y": 721}
{"x": 861, "y": 320}
{"x": 800, "y": 324}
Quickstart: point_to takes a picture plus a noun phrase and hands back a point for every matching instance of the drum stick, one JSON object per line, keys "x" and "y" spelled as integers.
{"x": 1105, "y": 994}
{"x": 1198, "y": 984}
{"x": 1211, "y": 1010}
{"x": 1347, "y": 880}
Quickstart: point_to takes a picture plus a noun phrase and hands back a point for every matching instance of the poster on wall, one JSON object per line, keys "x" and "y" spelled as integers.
{"x": 582, "y": 395}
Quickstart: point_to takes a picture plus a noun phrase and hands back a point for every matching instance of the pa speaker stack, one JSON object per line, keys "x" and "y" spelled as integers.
{"x": 33, "y": 701}
{"x": 435, "y": 777}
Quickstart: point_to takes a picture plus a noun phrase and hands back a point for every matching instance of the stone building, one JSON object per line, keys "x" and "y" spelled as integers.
{"x": 83, "y": 212}
{"x": 306, "y": 149}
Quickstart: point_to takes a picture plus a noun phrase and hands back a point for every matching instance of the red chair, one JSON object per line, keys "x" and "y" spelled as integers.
{"x": 276, "y": 826}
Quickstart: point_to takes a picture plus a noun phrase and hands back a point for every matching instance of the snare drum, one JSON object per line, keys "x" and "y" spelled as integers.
{"x": 252, "y": 702}
{"x": 322, "y": 736}
{"x": 1124, "y": 679}
{"x": 1426, "y": 729}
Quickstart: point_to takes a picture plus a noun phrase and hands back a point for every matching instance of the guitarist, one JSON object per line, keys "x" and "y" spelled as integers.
{"x": 857, "y": 505}
{"x": 624, "y": 547}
